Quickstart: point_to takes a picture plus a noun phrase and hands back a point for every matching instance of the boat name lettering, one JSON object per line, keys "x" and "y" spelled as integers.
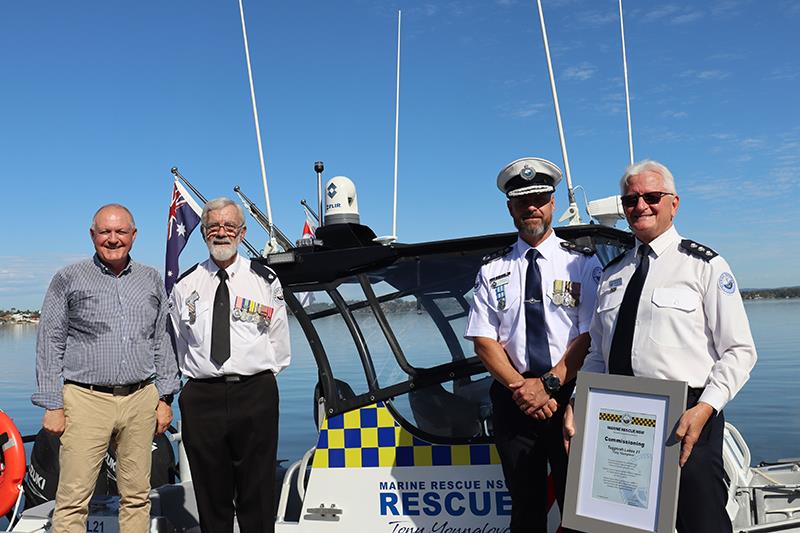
{"x": 445, "y": 527}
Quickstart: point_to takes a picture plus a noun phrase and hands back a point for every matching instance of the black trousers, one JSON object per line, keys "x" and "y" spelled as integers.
{"x": 230, "y": 433}
{"x": 525, "y": 446}
{"x": 702, "y": 494}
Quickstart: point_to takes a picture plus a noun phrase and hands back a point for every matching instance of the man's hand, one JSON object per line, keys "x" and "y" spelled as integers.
{"x": 568, "y": 429}
{"x": 163, "y": 417}
{"x": 54, "y": 421}
{"x": 529, "y": 395}
{"x": 690, "y": 425}
{"x": 546, "y": 411}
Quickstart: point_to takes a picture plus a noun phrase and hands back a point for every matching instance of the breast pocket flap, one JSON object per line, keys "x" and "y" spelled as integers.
{"x": 682, "y": 299}
{"x": 609, "y": 300}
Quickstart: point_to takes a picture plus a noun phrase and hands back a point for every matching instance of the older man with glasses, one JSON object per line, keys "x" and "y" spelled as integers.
{"x": 669, "y": 308}
{"x": 232, "y": 338}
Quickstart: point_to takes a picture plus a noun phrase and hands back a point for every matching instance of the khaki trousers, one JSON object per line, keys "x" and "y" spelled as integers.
{"x": 93, "y": 420}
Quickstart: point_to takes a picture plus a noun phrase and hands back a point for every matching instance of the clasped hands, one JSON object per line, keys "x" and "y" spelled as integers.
{"x": 532, "y": 399}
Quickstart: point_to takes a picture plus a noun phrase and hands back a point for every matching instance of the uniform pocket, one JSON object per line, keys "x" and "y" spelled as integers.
{"x": 674, "y": 316}
{"x": 609, "y": 300}
{"x": 506, "y": 312}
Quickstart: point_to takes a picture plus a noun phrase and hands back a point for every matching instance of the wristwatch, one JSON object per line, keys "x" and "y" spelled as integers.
{"x": 551, "y": 382}
{"x": 167, "y": 398}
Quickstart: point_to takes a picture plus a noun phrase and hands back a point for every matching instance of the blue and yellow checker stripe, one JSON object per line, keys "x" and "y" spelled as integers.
{"x": 370, "y": 437}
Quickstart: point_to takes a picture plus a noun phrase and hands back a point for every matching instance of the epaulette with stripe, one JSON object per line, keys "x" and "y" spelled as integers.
{"x": 577, "y": 248}
{"x": 698, "y": 250}
{"x": 263, "y": 270}
{"x": 187, "y": 272}
{"x": 615, "y": 260}
{"x": 497, "y": 255}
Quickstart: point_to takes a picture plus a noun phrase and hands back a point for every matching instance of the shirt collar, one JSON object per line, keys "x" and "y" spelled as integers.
{"x": 660, "y": 244}
{"x": 105, "y": 270}
{"x": 232, "y": 270}
{"x": 545, "y": 247}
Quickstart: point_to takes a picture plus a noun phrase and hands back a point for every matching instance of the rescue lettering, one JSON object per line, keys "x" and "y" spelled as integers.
{"x": 415, "y": 503}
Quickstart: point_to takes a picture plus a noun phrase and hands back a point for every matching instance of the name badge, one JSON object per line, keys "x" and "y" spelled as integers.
{"x": 499, "y": 281}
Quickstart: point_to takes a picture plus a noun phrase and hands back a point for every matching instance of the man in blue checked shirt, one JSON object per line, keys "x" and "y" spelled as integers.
{"x": 105, "y": 371}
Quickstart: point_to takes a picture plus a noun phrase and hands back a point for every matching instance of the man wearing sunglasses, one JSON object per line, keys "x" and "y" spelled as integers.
{"x": 532, "y": 303}
{"x": 669, "y": 308}
{"x": 232, "y": 338}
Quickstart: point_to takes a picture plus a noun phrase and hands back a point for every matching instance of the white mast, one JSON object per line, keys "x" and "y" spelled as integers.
{"x": 625, "y": 73}
{"x": 572, "y": 212}
{"x": 272, "y": 244}
{"x": 388, "y": 239}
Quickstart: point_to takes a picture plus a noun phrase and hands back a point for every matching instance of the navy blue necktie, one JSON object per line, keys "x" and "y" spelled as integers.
{"x": 619, "y": 358}
{"x": 221, "y": 321}
{"x": 537, "y": 348}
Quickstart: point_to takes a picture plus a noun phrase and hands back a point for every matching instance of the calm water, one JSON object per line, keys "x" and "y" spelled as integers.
{"x": 766, "y": 411}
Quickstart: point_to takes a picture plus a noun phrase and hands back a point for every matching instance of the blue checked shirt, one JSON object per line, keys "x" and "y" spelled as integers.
{"x": 101, "y": 329}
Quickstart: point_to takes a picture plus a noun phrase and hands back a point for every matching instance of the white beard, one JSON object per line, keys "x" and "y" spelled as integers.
{"x": 222, "y": 252}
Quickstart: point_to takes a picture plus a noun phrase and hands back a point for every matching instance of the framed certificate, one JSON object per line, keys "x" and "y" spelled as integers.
{"x": 623, "y": 469}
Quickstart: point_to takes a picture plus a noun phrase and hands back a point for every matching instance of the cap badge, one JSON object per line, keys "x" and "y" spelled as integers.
{"x": 527, "y": 173}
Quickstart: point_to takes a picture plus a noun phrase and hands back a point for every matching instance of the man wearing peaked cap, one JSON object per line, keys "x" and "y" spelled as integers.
{"x": 528, "y": 175}
{"x": 530, "y": 315}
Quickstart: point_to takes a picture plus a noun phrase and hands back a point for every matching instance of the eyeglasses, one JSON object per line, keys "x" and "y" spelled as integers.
{"x": 650, "y": 198}
{"x": 230, "y": 229}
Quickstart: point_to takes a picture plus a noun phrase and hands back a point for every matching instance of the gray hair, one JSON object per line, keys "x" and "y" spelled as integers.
{"x": 118, "y": 206}
{"x": 648, "y": 165}
{"x": 220, "y": 203}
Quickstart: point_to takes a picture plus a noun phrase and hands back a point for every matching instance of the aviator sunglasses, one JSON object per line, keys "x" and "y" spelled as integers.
{"x": 651, "y": 198}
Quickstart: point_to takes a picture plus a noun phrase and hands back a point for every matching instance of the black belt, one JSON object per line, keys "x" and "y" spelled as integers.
{"x": 229, "y": 378}
{"x": 116, "y": 390}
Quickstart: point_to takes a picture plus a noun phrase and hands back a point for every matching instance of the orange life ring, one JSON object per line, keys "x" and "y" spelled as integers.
{"x": 12, "y": 463}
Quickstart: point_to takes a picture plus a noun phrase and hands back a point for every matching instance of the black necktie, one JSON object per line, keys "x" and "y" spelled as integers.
{"x": 619, "y": 359}
{"x": 537, "y": 349}
{"x": 221, "y": 322}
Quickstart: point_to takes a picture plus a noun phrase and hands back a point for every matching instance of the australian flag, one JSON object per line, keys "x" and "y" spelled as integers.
{"x": 184, "y": 215}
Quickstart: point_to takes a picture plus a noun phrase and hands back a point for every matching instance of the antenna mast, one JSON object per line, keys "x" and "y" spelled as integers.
{"x": 625, "y": 75}
{"x": 572, "y": 212}
{"x": 271, "y": 245}
{"x": 388, "y": 239}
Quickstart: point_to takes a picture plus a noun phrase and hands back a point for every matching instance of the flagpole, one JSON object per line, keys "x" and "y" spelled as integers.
{"x": 178, "y": 175}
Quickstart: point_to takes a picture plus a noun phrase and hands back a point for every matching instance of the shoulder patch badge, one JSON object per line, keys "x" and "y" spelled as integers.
{"x": 577, "y": 248}
{"x": 698, "y": 250}
{"x": 497, "y": 255}
{"x": 727, "y": 283}
{"x": 597, "y": 273}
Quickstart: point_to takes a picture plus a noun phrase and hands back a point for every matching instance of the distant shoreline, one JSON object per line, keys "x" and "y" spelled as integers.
{"x": 780, "y": 293}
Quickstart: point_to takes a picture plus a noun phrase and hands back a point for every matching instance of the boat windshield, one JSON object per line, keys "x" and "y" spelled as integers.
{"x": 392, "y": 330}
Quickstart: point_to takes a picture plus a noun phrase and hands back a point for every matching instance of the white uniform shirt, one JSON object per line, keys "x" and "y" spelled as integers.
{"x": 690, "y": 324}
{"x": 498, "y": 307}
{"x": 255, "y": 345}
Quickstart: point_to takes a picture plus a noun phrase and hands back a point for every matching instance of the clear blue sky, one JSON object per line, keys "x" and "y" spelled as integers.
{"x": 99, "y": 99}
